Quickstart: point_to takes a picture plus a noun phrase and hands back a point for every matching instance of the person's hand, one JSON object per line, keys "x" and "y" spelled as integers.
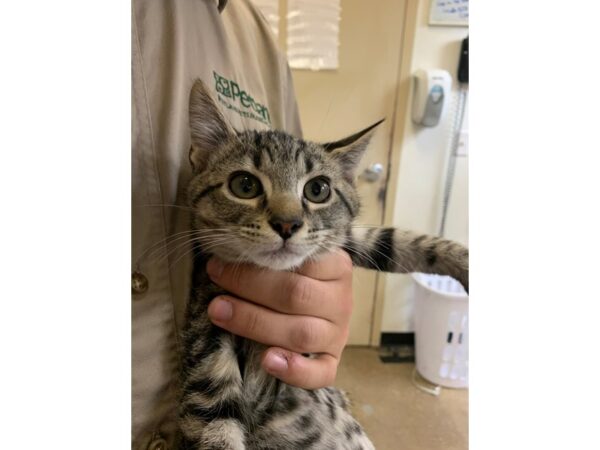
{"x": 307, "y": 311}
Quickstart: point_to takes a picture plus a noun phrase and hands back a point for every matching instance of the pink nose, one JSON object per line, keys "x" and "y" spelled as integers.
{"x": 286, "y": 228}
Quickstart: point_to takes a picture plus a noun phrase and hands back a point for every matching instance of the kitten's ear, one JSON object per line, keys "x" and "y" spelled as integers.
{"x": 208, "y": 126}
{"x": 349, "y": 151}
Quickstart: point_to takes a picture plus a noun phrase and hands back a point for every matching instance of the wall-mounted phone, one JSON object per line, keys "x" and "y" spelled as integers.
{"x": 431, "y": 93}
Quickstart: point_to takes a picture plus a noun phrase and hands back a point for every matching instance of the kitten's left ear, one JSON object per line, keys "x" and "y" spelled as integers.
{"x": 349, "y": 151}
{"x": 209, "y": 128}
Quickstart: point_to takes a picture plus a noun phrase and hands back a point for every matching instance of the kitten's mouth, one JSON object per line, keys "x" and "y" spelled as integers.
{"x": 278, "y": 256}
{"x": 282, "y": 251}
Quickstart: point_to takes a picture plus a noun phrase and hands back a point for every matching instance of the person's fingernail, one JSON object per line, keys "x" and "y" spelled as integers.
{"x": 215, "y": 267}
{"x": 275, "y": 362}
{"x": 220, "y": 310}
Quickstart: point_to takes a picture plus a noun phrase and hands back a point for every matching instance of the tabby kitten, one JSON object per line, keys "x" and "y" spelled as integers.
{"x": 274, "y": 200}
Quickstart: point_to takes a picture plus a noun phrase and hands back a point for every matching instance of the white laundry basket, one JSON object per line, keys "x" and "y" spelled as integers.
{"x": 441, "y": 330}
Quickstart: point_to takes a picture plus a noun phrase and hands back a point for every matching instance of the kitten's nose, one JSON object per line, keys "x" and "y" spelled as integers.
{"x": 286, "y": 228}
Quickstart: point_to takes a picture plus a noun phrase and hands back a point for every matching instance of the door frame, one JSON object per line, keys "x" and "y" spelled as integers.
{"x": 401, "y": 113}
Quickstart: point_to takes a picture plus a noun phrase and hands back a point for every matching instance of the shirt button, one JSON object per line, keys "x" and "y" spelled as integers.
{"x": 139, "y": 283}
{"x": 158, "y": 444}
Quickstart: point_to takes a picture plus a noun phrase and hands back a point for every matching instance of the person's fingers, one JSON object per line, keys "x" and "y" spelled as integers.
{"x": 305, "y": 372}
{"x": 331, "y": 266}
{"x": 303, "y": 312}
{"x": 286, "y": 292}
{"x": 303, "y": 334}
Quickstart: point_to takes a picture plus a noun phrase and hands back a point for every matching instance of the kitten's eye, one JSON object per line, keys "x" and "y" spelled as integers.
{"x": 317, "y": 190}
{"x": 245, "y": 185}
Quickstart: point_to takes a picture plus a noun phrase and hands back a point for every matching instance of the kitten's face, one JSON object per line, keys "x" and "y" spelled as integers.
{"x": 266, "y": 197}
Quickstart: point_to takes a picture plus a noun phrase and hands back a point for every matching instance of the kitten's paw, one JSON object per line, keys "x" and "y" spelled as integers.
{"x": 223, "y": 434}
{"x": 465, "y": 281}
{"x": 463, "y": 275}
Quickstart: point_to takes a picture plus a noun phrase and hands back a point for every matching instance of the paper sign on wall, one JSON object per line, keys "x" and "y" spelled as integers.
{"x": 313, "y": 28}
{"x": 449, "y": 13}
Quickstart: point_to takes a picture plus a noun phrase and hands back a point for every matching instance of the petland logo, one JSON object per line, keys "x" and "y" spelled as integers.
{"x": 230, "y": 89}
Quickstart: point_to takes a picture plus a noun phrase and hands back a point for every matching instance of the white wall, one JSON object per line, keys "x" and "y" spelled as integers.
{"x": 422, "y": 165}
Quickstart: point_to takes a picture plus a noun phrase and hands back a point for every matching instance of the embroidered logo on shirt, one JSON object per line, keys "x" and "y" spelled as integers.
{"x": 250, "y": 107}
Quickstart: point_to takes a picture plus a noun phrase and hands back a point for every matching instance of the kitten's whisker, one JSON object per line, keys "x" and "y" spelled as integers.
{"x": 237, "y": 266}
{"x": 190, "y": 250}
{"x": 187, "y": 252}
{"x": 203, "y": 248}
{"x": 240, "y": 260}
{"x": 166, "y": 245}
{"x": 184, "y": 244}
{"x": 346, "y": 243}
{"x": 184, "y": 232}
{"x": 171, "y": 240}
{"x": 362, "y": 253}
{"x": 187, "y": 208}
{"x": 364, "y": 225}
{"x": 392, "y": 260}
{"x": 211, "y": 243}
{"x": 163, "y": 242}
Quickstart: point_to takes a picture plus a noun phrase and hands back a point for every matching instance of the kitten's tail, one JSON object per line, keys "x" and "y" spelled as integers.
{"x": 399, "y": 251}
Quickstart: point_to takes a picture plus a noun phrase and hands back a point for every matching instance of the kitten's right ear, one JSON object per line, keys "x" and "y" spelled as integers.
{"x": 208, "y": 126}
{"x": 348, "y": 151}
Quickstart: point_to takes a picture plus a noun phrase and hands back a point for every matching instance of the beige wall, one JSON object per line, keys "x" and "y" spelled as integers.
{"x": 423, "y": 155}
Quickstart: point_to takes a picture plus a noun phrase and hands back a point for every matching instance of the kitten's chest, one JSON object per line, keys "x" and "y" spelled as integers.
{"x": 243, "y": 354}
{"x": 260, "y": 390}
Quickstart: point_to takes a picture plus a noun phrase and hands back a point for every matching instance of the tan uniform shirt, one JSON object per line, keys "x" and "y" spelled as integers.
{"x": 175, "y": 42}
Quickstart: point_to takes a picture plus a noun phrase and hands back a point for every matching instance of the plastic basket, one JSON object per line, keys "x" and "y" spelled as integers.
{"x": 441, "y": 330}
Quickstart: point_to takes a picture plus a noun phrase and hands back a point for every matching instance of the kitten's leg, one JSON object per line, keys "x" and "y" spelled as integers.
{"x": 310, "y": 420}
{"x": 211, "y": 406}
{"x": 393, "y": 250}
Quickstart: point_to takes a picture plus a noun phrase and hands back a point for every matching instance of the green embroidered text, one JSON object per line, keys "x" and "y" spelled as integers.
{"x": 252, "y": 109}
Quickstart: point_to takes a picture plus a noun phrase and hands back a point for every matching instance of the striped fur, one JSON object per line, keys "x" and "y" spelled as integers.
{"x": 228, "y": 401}
{"x": 400, "y": 251}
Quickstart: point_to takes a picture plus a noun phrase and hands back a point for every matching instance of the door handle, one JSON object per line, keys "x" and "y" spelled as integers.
{"x": 372, "y": 173}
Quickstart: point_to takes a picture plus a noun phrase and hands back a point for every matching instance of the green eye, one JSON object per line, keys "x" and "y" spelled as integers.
{"x": 245, "y": 185}
{"x": 317, "y": 190}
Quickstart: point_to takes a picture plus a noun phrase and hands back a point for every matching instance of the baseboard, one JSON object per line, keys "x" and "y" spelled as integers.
{"x": 397, "y": 347}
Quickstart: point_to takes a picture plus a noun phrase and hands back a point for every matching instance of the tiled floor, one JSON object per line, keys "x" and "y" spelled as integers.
{"x": 394, "y": 413}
